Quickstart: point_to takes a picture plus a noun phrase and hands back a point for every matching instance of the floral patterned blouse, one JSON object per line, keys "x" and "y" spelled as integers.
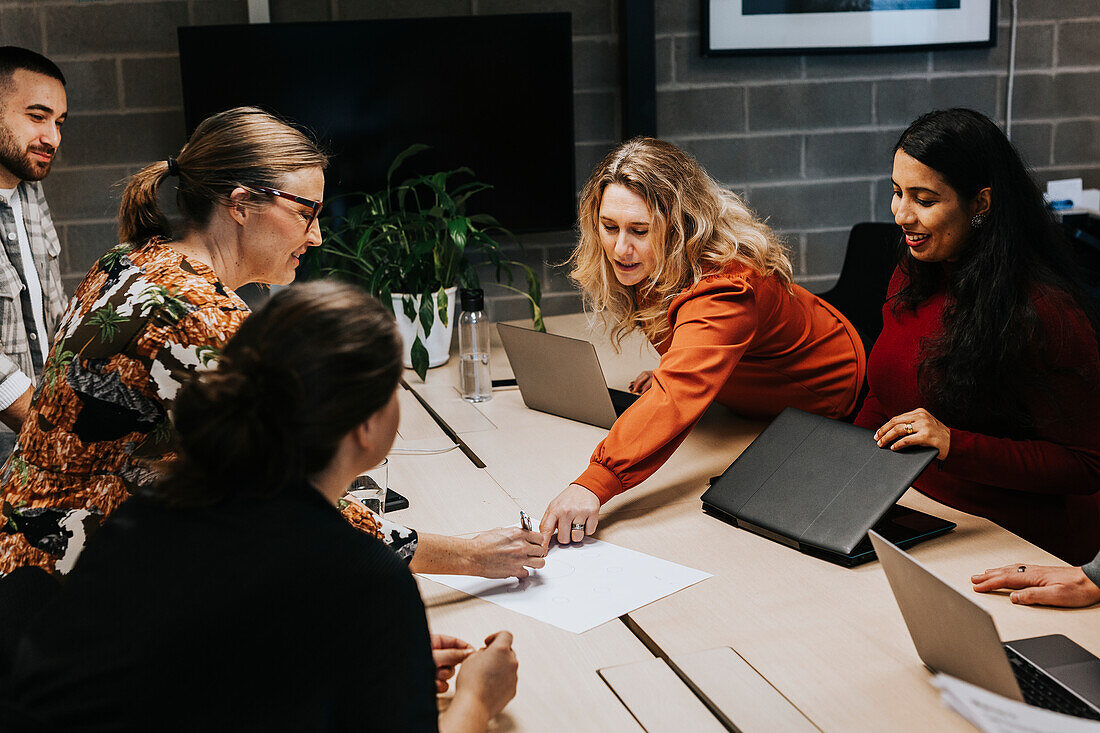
{"x": 140, "y": 323}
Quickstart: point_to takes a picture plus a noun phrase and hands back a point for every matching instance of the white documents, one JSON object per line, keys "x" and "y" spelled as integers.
{"x": 995, "y": 714}
{"x": 583, "y": 585}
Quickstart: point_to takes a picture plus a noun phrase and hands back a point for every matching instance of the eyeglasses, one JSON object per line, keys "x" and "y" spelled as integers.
{"x": 314, "y": 206}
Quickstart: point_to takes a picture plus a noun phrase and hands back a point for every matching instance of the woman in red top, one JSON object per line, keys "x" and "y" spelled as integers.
{"x": 665, "y": 250}
{"x": 987, "y": 352}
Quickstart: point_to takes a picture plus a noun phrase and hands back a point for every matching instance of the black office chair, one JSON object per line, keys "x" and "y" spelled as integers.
{"x": 860, "y": 291}
{"x": 1084, "y": 236}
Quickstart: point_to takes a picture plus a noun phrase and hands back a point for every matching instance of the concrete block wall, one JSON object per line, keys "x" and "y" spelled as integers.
{"x": 806, "y": 138}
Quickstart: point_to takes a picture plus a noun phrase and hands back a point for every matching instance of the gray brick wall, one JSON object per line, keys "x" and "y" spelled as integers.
{"x": 806, "y": 139}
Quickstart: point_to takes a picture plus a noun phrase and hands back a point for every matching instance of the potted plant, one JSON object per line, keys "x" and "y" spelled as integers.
{"x": 410, "y": 245}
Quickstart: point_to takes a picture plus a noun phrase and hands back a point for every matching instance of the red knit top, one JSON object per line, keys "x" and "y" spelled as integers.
{"x": 1043, "y": 489}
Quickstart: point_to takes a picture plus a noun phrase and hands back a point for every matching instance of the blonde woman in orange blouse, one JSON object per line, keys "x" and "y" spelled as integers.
{"x": 667, "y": 251}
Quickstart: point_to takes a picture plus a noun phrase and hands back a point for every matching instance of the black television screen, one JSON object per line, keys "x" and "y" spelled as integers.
{"x": 493, "y": 93}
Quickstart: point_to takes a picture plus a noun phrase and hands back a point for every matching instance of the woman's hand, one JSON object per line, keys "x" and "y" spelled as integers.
{"x": 574, "y": 506}
{"x": 915, "y": 428}
{"x": 448, "y": 652}
{"x": 506, "y": 552}
{"x": 485, "y": 683}
{"x": 641, "y": 383}
{"x": 1040, "y": 584}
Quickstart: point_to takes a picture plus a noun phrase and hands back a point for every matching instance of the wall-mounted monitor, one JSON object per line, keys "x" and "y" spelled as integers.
{"x": 494, "y": 93}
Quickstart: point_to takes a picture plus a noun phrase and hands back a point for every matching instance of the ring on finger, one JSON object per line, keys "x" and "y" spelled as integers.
{"x": 578, "y": 526}
{"x": 909, "y": 428}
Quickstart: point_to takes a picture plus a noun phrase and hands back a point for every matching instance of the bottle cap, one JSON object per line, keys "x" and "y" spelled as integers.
{"x": 473, "y": 299}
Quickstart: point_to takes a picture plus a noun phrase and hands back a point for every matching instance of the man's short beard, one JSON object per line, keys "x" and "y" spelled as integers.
{"x": 19, "y": 161}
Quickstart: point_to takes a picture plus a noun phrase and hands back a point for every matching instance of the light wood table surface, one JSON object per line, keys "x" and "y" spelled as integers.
{"x": 559, "y": 685}
{"x": 829, "y": 640}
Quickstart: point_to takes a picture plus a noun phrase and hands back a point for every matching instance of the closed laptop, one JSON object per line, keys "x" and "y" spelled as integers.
{"x": 819, "y": 485}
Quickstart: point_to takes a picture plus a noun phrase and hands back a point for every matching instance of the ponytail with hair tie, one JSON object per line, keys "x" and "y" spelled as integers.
{"x": 243, "y": 146}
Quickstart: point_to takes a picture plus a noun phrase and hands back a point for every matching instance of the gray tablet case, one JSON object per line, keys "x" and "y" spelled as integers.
{"x": 815, "y": 484}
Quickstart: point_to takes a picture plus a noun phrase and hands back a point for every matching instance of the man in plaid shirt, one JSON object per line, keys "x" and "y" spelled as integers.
{"x": 32, "y": 108}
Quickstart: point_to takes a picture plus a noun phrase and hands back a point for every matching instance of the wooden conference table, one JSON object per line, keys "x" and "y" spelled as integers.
{"x": 776, "y": 640}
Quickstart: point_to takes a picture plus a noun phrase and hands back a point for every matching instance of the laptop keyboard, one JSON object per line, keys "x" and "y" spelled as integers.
{"x": 1041, "y": 691}
{"x": 621, "y": 400}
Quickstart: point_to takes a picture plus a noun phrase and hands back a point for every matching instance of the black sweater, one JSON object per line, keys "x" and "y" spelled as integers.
{"x": 266, "y": 614}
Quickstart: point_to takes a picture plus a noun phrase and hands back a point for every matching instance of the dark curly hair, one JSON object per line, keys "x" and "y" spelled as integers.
{"x": 976, "y": 372}
{"x": 302, "y": 372}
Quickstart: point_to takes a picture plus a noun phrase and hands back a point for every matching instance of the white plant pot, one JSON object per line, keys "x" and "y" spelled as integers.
{"x": 438, "y": 342}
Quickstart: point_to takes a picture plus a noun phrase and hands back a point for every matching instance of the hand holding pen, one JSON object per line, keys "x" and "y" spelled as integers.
{"x": 507, "y": 551}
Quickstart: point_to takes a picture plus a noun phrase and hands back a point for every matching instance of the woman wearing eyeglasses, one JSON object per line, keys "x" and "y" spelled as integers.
{"x": 154, "y": 310}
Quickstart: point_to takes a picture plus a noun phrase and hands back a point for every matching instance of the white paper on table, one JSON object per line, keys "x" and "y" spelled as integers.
{"x": 993, "y": 713}
{"x": 582, "y": 585}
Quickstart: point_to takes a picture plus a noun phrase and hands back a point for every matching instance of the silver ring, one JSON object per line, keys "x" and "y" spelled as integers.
{"x": 1022, "y": 569}
{"x": 578, "y": 527}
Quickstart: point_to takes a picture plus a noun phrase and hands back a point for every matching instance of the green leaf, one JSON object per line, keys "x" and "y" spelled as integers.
{"x": 406, "y": 153}
{"x": 427, "y": 313}
{"x": 534, "y": 286}
{"x": 441, "y": 303}
{"x": 457, "y": 228}
{"x": 536, "y": 316}
{"x": 419, "y": 358}
{"x": 409, "y": 306}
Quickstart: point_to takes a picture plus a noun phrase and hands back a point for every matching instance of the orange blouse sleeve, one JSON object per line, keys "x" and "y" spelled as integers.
{"x": 713, "y": 324}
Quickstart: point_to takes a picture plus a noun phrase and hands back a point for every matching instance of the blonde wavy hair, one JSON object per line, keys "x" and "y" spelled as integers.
{"x": 698, "y": 228}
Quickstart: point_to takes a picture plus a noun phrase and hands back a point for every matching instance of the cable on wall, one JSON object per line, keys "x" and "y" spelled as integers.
{"x": 1011, "y": 74}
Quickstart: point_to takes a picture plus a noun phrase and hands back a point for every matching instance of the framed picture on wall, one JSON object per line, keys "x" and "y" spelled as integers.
{"x": 823, "y": 26}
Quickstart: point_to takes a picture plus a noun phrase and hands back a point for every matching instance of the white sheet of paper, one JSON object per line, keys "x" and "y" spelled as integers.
{"x": 582, "y": 585}
{"x": 1089, "y": 199}
{"x": 995, "y": 714}
{"x": 1067, "y": 188}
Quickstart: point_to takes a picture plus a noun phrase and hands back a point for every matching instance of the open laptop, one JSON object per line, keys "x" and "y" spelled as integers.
{"x": 562, "y": 376}
{"x": 818, "y": 485}
{"x": 956, "y": 636}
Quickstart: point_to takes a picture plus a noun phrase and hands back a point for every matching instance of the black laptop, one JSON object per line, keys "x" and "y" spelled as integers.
{"x": 818, "y": 485}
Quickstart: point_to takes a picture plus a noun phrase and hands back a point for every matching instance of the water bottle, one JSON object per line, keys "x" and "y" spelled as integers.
{"x": 473, "y": 347}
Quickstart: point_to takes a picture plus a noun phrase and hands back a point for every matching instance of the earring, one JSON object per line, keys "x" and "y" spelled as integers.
{"x": 977, "y": 221}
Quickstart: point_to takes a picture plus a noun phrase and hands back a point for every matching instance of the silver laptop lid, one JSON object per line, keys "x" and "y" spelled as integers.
{"x": 952, "y": 633}
{"x": 558, "y": 374}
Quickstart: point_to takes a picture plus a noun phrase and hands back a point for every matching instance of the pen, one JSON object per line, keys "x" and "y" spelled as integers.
{"x": 524, "y": 520}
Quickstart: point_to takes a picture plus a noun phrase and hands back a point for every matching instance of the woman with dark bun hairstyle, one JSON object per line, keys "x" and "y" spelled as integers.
{"x": 988, "y": 351}
{"x": 152, "y": 312}
{"x": 194, "y": 607}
